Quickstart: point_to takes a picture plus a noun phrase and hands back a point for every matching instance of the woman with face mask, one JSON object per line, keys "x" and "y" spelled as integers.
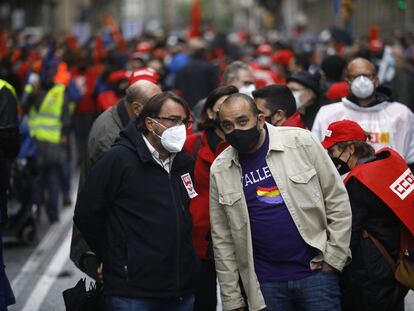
{"x": 368, "y": 283}
{"x": 306, "y": 90}
{"x": 204, "y": 147}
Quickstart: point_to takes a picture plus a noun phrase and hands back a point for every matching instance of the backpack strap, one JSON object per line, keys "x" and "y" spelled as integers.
{"x": 381, "y": 248}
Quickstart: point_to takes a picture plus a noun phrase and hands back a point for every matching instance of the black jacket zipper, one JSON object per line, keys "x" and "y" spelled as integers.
{"x": 178, "y": 232}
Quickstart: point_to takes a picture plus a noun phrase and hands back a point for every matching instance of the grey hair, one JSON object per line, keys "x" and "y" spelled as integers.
{"x": 232, "y": 71}
{"x": 362, "y": 148}
{"x": 136, "y": 93}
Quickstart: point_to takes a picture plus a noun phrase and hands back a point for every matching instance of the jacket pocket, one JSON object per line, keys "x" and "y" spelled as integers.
{"x": 235, "y": 211}
{"x": 303, "y": 177}
{"x": 305, "y": 186}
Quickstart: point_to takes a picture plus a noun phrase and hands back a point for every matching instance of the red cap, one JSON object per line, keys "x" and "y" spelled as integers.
{"x": 337, "y": 90}
{"x": 282, "y": 57}
{"x": 264, "y": 49}
{"x": 341, "y": 131}
{"x": 143, "y": 47}
{"x": 146, "y": 73}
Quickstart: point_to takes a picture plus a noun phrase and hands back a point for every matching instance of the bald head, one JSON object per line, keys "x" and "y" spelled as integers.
{"x": 360, "y": 66}
{"x": 141, "y": 91}
{"x": 239, "y": 100}
{"x": 138, "y": 94}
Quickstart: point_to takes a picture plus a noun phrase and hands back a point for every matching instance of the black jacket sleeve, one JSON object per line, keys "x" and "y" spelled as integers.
{"x": 359, "y": 210}
{"x": 9, "y": 127}
{"x": 371, "y": 213}
{"x": 96, "y": 198}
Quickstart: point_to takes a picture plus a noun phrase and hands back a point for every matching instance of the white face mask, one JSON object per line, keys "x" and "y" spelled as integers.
{"x": 296, "y": 95}
{"x": 264, "y": 61}
{"x": 247, "y": 90}
{"x": 362, "y": 87}
{"x": 173, "y": 138}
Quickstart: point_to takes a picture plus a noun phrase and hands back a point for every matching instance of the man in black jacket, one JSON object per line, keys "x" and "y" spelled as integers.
{"x": 105, "y": 130}
{"x": 133, "y": 212}
{"x": 9, "y": 148}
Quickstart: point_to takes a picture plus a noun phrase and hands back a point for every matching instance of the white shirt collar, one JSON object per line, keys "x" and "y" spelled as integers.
{"x": 165, "y": 164}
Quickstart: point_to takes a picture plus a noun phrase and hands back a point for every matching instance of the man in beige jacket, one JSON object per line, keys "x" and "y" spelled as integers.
{"x": 280, "y": 215}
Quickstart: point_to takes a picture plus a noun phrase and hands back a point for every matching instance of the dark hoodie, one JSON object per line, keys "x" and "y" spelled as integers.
{"x": 379, "y": 98}
{"x": 135, "y": 217}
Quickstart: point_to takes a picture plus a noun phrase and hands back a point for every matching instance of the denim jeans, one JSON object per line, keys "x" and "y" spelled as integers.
{"x": 318, "y": 292}
{"x": 115, "y": 303}
{"x": 49, "y": 181}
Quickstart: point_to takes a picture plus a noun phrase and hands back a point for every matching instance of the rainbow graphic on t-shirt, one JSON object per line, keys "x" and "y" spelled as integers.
{"x": 270, "y": 195}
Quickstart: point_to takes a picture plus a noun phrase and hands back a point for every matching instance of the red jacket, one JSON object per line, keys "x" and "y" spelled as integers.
{"x": 295, "y": 120}
{"x": 106, "y": 100}
{"x": 265, "y": 76}
{"x": 199, "y": 206}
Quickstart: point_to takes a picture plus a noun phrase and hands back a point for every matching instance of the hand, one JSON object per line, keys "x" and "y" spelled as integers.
{"x": 321, "y": 265}
{"x": 99, "y": 272}
{"x": 327, "y": 267}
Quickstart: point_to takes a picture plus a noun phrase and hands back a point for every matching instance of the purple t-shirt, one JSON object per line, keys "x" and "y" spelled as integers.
{"x": 279, "y": 251}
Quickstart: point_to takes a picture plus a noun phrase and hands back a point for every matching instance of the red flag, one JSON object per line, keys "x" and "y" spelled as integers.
{"x": 4, "y": 50}
{"x": 373, "y": 33}
{"x": 72, "y": 43}
{"x": 375, "y": 43}
{"x": 116, "y": 33}
{"x": 100, "y": 52}
{"x": 196, "y": 15}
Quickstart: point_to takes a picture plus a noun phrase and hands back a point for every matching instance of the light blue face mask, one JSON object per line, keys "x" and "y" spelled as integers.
{"x": 296, "y": 95}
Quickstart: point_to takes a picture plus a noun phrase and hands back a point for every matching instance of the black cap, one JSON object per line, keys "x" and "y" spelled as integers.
{"x": 307, "y": 79}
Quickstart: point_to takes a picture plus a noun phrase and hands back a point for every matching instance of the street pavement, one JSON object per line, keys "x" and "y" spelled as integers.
{"x": 39, "y": 274}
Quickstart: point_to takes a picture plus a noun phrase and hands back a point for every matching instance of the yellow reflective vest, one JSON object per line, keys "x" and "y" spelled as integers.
{"x": 45, "y": 124}
{"x": 7, "y": 85}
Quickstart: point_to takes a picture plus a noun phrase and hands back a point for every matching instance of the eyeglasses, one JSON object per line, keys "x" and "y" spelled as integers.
{"x": 175, "y": 121}
{"x": 247, "y": 83}
{"x": 369, "y": 76}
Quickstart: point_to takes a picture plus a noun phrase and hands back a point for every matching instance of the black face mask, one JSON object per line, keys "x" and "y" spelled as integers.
{"x": 341, "y": 165}
{"x": 244, "y": 140}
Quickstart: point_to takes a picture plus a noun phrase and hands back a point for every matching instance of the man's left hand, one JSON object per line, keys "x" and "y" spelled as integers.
{"x": 327, "y": 267}
{"x": 322, "y": 265}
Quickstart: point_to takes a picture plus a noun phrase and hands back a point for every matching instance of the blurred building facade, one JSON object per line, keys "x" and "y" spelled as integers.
{"x": 60, "y": 16}
{"x": 356, "y": 15}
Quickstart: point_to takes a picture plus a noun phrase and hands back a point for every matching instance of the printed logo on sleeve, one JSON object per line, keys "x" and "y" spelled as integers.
{"x": 188, "y": 184}
{"x": 404, "y": 185}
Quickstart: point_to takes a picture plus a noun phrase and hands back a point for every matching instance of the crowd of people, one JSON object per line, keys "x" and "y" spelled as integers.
{"x": 279, "y": 170}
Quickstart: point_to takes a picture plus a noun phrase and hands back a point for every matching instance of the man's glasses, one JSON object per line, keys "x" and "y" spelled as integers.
{"x": 369, "y": 76}
{"x": 175, "y": 121}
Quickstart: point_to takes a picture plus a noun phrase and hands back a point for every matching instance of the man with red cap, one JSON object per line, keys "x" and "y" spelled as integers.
{"x": 103, "y": 134}
{"x": 390, "y": 124}
{"x": 262, "y": 67}
{"x": 146, "y": 73}
{"x": 380, "y": 187}
{"x": 118, "y": 82}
